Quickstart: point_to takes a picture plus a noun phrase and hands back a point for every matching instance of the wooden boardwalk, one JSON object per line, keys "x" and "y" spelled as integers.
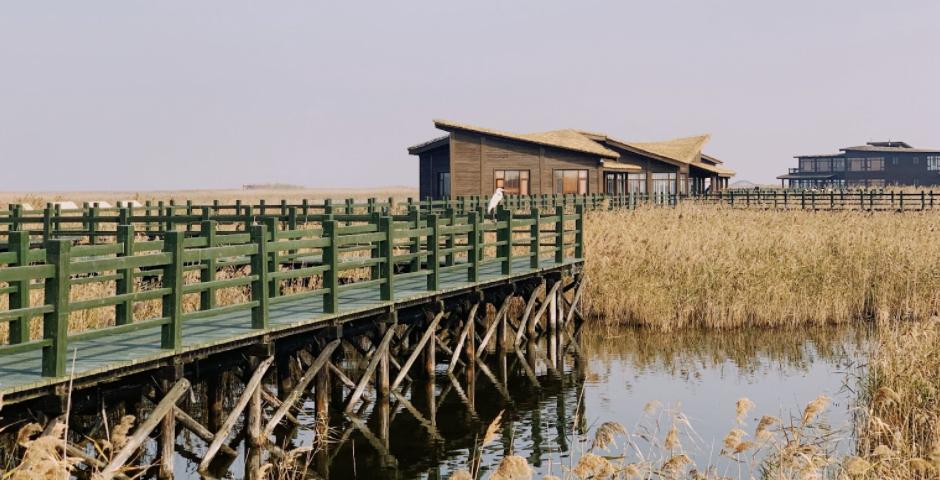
{"x": 22, "y": 372}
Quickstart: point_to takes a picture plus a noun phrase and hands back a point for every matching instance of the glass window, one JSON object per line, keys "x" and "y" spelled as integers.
{"x": 513, "y": 182}
{"x": 838, "y": 164}
{"x": 443, "y": 184}
{"x": 933, "y": 162}
{"x": 571, "y": 181}
{"x": 876, "y": 164}
{"x": 616, "y": 183}
{"x": 636, "y": 182}
{"x": 807, "y": 165}
{"x": 664, "y": 183}
{"x": 856, "y": 164}
{"x": 683, "y": 184}
{"x": 823, "y": 165}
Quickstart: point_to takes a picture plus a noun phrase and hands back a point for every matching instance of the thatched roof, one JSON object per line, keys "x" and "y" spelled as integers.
{"x": 720, "y": 171}
{"x": 685, "y": 149}
{"x": 567, "y": 139}
{"x": 626, "y": 167}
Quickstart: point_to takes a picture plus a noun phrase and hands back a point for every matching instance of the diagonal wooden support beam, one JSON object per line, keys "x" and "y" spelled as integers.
{"x": 574, "y": 300}
{"x": 462, "y": 395}
{"x": 492, "y": 328}
{"x": 538, "y": 314}
{"x": 200, "y": 431}
{"x": 236, "y": 412}
{"x": 300, "y": 388}
{"x": 417, "y": 349}
{"x": 499, "y": 385}
{"x": 165, "y": 407}
{"x": 370, "y": 369}
{"x": 528, "y": 370}
{"x": 372, "y": 439}
{"x": 462, "y": 339}
{"x": 276, "y": 402}
{"x": 530, "y": 304}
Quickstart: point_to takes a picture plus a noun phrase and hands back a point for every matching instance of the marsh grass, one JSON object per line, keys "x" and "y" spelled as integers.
{"x": 701, "y": 266}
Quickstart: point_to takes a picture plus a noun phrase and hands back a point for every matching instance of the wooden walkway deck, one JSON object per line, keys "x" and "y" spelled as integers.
{"x": 20, "y": 373}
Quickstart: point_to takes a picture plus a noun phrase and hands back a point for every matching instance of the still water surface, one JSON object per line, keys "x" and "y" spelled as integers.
{"x": 617, "y": 376}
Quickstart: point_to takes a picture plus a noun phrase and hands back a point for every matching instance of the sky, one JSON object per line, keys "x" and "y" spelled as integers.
{"x": 142, "y": 95}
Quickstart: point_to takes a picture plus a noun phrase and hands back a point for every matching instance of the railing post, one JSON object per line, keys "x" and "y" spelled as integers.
{"x": 261, "y": 283}
{"x": 124, "y": 311}
{"x": 535, "y": 238}
{"x": 473, "y": 241}
{"x": 274, "y": 288}
{"x": 171, "y": 335}
{"x": 55, "y": 324}
{"x": 504, "y": 236}
{"x": 16, "y": 212}
{"x": 207, "y": 230}
{"x": 189, "y": 213}
{"x": 560, "y": 235}
{"x": 414, "y": 221}
{"x": 387, "y": 253}
{"x": 49, "y": 211}
{"x": 331, "y": 260}
{"x": 92, "y": 225}
{"x": 451, "y": 237}
{"x": 18, "y": 242}
{"x": 434, "y": 252}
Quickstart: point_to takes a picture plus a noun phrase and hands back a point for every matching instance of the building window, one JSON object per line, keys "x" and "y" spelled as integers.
{"x": 513, "y": 182}
{"x": 876, "y": 164}
{"x": 571, "y": 181}
{"x": 683, "y": 184}
{"x": 856, "y": 164}
{"x": 838, "y": 164}
{"x": 664, "y": 183}
{"x": 933, "y": 162}
{"x": 636, "y": 182}
{"x": 807, "y": 165}
{"x": 443, "y": 184}
{"x": 616, "y": 183}
{"x": 823, "y": 165}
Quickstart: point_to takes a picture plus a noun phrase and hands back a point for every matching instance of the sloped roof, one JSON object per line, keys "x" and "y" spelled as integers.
{"x": 626, "y": 167}
{"x": 685, "y": 149}
{"x": 433, "y": 143}
{"x": 720, "y": 171}
{"x": 567, "y": 139}
{"x": 873, "y": 148}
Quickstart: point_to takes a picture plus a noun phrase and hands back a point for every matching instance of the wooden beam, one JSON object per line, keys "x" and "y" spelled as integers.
{"x": 229, "y": 422}
{"x": 462, "y": 339}
{"x": 200, "y": 431}
{"x": 492, "y": 328}
{"x": 543, "y": 307}
{"x": 143, "y": 430}
{"x": 417, "y": 349}
{"x": 530, "y": 304}
{"x": 370, "y": 369}
{"x": 574, "y": 300}
{"x": 301, "y": 387}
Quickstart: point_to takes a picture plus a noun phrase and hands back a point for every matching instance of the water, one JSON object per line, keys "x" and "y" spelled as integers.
{"x": 643, "y": 380}
{"x": 617, "y": 375}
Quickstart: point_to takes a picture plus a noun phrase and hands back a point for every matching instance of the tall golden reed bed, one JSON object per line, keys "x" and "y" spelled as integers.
{"x": 705, "y": 266}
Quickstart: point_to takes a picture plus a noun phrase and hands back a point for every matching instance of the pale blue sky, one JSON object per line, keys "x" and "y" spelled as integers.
{"x": 143, "y": 95}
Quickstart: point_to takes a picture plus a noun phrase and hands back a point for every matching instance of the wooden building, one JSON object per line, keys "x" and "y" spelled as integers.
{"x": 472, "y": 160}
{"x": 873, "y": 165}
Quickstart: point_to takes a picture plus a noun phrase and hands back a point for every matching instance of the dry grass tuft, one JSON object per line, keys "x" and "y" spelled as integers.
{"x": 606, "y": 435}
{"x": 741, "y": 408}
{"x": 814, "y": 407}
{"x": 512, "y": 467}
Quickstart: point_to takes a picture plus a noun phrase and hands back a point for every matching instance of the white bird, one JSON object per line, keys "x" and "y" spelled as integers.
{"x": 494, "y": 201}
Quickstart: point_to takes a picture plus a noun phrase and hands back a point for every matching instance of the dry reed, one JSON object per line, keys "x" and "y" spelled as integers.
{"x": 701, "y": 266}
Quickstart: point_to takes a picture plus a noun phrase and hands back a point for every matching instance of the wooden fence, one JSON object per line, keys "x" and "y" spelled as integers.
{"x": 139, "y": 261}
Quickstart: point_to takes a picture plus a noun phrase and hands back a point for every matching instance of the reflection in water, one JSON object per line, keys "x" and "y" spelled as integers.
{"x": 550, "y": 412}
{"x": 553, "y": 398}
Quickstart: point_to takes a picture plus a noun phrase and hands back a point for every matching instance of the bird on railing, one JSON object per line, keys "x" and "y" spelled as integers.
{"x": 494, "y": 201}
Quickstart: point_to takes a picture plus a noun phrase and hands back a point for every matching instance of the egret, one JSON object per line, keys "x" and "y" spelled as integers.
{"x": 494, "y": 201}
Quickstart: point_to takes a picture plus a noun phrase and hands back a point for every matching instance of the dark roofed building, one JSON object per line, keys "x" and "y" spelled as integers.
{"x": 873, "y": 165}
{"x": 474, "y": 160}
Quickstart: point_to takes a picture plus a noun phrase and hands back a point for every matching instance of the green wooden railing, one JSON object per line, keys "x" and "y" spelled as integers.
{"x": 271, "y": 262}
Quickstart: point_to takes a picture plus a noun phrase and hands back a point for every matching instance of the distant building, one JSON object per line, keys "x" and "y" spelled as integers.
{"x": 473, "y": 160}
{"x": 873, "y": 165}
